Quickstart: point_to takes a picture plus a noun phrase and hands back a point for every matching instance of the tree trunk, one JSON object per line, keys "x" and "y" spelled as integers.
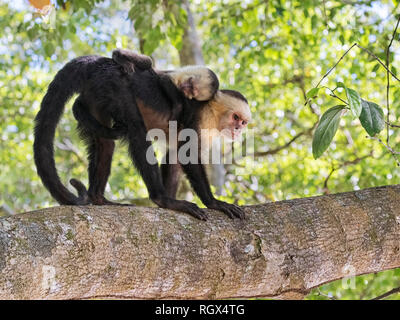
{"x": 190, "y": 52}
{"x": 281, "y": 250}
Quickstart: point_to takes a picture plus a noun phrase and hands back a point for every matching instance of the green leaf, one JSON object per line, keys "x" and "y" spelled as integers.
{"x": 372, "y": 118}
{"x": 326, "y": 130}
{"x": 354, "y": 101}
{"x": 312, "y": 93}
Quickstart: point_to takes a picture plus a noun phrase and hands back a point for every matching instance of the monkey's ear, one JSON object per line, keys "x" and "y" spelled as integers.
{"x": 188, "y": 88}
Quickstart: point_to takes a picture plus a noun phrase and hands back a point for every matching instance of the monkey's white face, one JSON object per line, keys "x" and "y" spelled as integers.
{"x": 225, "y": 116}
{"x": 232, "y": 125}
{"x": 235, "y": 119}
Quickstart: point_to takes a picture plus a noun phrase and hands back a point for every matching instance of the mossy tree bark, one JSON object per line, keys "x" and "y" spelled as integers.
{"x": 282, "y": 249}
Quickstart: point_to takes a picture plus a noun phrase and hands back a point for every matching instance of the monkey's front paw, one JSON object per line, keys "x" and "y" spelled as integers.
{"x": 193, "y": 210}
{"x": 181, "y": 205}
{"x": 231, "y": 210}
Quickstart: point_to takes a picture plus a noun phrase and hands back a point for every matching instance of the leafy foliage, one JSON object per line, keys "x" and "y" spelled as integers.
{"x": 369, "y": 113}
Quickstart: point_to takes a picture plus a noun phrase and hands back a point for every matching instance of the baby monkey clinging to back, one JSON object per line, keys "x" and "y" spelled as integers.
{"x": 196, "y": 82}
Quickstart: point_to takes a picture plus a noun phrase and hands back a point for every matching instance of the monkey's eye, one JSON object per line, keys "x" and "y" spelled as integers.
{"x": 244, "y": 122}
{"x": 236, "y": 117}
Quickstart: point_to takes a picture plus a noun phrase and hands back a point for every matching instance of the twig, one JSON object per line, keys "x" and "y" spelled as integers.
{"x": 392, "y": 125}
{"x": 388, "y": 81}
{"x": 393, "y": 152}
{"x": 377, "y": 59}
{"x": 354, "y": 3}
{"x": 342, "y": 165}
{"x": 393, "y": 291}
{"x": 332, "y": 94}
{"x": 386, "y": 146}
{"x": 326, "y": 189}
{"x": 356, "y": 160}
{"x": 346, "y": 52}
{"x": 287, "y": 144}
{"x": 393, "y": 35}
{"x": 331, "y": 69}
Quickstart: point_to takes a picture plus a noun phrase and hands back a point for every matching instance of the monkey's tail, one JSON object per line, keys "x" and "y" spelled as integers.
{"x": 67, "y": 82}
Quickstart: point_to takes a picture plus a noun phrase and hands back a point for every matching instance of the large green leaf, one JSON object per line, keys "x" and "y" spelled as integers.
{"x": 354, "y": 101}
{"x": 353, "y": 98}
{"x": 372, "y": 118}
{"x": 326, "y": 130}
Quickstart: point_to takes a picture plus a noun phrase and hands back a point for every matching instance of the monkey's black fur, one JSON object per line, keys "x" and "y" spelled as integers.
{"x": 167, "y": 87}
{"x": 86, "y": 120}
{"x": 110, "y": 94}
{"x": 131, "y": 62}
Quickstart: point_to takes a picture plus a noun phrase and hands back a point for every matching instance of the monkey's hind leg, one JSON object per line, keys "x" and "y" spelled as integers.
{"x": 100, "y": 152}
{"x": 100, "y": 157}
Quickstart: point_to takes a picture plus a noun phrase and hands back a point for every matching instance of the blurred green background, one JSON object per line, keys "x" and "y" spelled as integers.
{"x": 273, "y": 51}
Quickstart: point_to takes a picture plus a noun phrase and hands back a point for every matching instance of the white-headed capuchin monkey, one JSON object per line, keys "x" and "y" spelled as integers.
{"x": 137, "y": 103}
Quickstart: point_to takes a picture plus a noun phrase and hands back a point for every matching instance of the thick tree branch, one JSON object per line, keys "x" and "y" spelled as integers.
{"x": 282, "y": 249}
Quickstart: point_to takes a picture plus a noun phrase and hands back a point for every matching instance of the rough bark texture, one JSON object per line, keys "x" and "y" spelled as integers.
{"x": 282, "y": 249}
